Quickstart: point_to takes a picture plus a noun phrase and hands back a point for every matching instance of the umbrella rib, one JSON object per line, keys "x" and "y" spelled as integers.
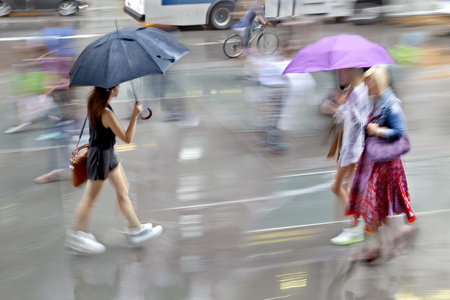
{"x": 107, "y": 65}
{"x": 332, "y": 51}
{"x": 130, "y": 58}
{"x": 154, "y": 58}
{"x": 150, "y": 55}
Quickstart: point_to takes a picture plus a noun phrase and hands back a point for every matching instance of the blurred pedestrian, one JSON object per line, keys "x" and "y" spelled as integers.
{"x": 298, "y": 116}
{"x": 275, "y": 88}
{"x": 59, "y": 120}
{"x": 103, "y": 164}
{"x": 380, "y": 189}
{"x": 352, "y": 112}
{"x": 57, "y": 63}
{"x": 31, "y": 103}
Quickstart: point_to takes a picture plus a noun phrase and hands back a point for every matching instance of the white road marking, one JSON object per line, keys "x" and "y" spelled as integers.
{"x": 305, "y": 174}
{"x": 21, "y": 150}
{"x": 338, "y": 222}
{"x": 205, "y": 43}
{"x": 26, "y": 38}
{"x": 277, "y": 195}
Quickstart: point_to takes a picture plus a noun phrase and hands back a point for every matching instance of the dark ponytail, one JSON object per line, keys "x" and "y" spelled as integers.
{"x": 97, "y": 101}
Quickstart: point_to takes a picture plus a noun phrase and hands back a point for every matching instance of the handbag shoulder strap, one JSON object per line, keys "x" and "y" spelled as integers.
{"x": 373, "y": 119}
{"x": 81, "y": 132}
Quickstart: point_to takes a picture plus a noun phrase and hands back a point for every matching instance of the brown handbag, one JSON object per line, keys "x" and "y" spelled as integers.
{"x": 78, "y": 161}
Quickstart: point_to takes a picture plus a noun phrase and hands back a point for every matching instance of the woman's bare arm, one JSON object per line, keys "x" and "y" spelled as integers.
{"x": 109, "y": 120}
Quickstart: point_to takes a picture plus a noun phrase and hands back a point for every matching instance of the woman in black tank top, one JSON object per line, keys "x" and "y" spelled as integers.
{"x": 103, "y": 164}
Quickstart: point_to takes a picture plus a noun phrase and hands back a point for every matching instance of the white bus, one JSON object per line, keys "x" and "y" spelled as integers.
{"x": 215, "y": 13}
{"x": 358, "y": 11}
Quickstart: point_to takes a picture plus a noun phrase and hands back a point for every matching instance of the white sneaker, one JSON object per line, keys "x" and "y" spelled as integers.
{"x": 349, "y": 236}
{"x": 83, "y": 243}
{"x": 147, "y": 233}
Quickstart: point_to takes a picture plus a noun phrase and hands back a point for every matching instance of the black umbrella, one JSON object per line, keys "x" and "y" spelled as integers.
{"x": 124, "y": 55}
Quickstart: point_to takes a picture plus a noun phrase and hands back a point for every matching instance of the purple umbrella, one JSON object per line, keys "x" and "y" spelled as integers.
{"x": 339, "y": 52}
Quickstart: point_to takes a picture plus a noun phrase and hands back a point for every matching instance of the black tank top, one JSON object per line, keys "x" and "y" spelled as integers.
{"x": 101, "y": 137}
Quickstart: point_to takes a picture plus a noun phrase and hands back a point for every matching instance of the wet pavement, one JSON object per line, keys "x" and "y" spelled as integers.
{"x": 240, "y": 222}
{"x": 234, "y": 227}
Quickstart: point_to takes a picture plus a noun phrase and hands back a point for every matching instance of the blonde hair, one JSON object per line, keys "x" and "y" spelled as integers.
{"x": 380, "y": 74}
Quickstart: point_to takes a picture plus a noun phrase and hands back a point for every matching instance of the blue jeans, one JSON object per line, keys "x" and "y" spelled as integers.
{"x": 248, "y": 32}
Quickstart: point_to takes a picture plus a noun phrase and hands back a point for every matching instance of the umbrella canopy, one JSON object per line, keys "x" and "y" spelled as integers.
{"x": 124, "y": 55}
{"x": 339, "y": 52}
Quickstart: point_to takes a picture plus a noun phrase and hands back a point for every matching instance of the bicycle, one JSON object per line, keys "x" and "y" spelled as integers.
{"x": 267, "y": 42}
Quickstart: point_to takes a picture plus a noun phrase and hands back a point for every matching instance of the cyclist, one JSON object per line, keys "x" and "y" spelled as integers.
{"x": 252, "y": 19}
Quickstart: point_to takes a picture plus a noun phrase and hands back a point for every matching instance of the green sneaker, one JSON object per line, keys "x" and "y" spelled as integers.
{"x": 349, "y": 236}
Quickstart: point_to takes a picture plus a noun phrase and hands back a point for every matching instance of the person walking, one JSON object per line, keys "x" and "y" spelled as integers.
{"x": 103, "y": 164}
{"x": 380, "y": 189}
{"x": 274, "y": 90}
{"x": 352, "y": 113}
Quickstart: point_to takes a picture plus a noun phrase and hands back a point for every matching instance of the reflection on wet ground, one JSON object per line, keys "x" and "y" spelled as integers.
{"x": 212, "y": 258}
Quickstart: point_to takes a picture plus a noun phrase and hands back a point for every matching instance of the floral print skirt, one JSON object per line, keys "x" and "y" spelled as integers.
{"x": 379, "y": 190}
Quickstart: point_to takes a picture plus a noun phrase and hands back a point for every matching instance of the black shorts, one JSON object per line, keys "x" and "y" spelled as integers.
{"x": 100, "y": 163}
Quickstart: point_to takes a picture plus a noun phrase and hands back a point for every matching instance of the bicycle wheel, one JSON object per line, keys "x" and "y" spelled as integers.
{"x": 268, "y": 42}
{"x": 233, "y": 46}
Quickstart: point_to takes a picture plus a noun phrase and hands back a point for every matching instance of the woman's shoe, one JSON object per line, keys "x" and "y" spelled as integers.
{"x": 146, "y": 233}
{"x": 349, "y": 236}
{"x": 82, "y": 243}
{"x": 367, "y": 255}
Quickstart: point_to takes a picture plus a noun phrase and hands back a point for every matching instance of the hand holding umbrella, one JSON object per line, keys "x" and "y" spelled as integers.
{"x": 136, "y": 102}
{"x": 137, "y": 109}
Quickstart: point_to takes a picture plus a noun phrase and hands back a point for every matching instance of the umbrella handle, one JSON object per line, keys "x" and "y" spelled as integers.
{"x": 149, "y": 115}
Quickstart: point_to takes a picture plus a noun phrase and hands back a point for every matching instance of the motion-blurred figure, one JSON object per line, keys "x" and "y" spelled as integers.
{"x": 351, "y": 110}
{"x": 268, "y": 100}
{"x": 380, "y": 189}
{"x": 62, "y": 51}
{"x": 30, "y": 101}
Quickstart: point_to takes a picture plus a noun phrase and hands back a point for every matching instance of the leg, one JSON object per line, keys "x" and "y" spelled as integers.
{"x": 140, "y": 232}
{"x": 120, "y": 183}
{"x": 248, "y": 35}
{"x": 371, "y": 249}
{"x": 385, "y": 238}
{"x": 79, "y": 240}
{"x": 249, "y": 32}
{"x": 93, "y": 189}
{"x": 337, "y": 187}
{"x": 355, "y": 233}
{"x": 351, "y": 175}
{"x": 348, "y": 185}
